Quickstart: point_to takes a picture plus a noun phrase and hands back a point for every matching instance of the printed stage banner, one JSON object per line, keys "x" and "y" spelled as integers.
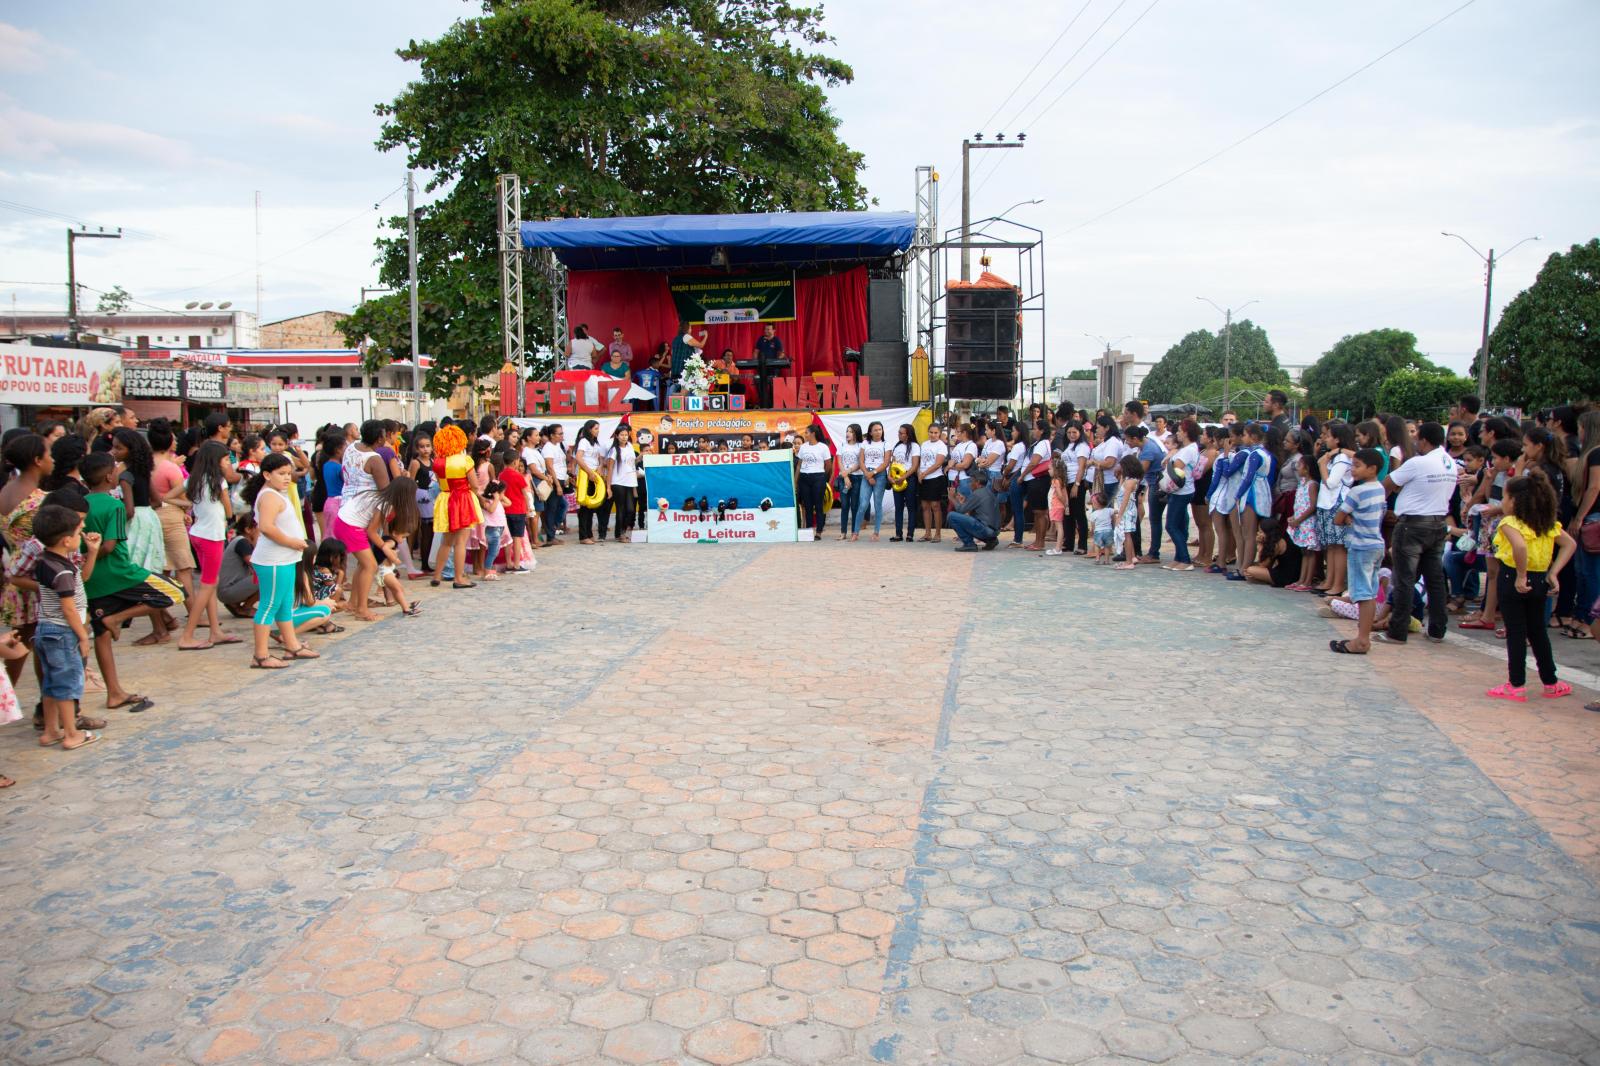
{"x": 721, "y": 300}
{"x": 684, "y": 431}
{"x": 748, "y": 497}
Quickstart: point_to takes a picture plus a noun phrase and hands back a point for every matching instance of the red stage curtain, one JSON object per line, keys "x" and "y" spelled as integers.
{"x": 830, "y": 310}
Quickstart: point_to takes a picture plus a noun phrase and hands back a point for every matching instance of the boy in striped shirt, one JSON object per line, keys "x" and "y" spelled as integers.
{"x": 1362, "y": 515}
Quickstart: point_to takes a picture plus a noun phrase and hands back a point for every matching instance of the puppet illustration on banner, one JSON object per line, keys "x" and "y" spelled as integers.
{"x": 721, "y": 497}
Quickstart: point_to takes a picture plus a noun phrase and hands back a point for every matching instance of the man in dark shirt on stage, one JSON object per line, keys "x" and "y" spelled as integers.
{"x": 768, "y": 346}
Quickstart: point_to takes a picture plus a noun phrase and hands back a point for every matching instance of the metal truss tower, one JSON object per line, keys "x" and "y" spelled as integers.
{"x": 511, "y": 338}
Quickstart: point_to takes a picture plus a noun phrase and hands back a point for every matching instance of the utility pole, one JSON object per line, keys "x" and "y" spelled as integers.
{"x": 1227, "y": 347}
{"x": 411, "y": 258}
{"x": 72, "y": 277}
{"x": 966, "y": 190}
{"x": 1488, "y": 289}
{"x": 258, "y": 259}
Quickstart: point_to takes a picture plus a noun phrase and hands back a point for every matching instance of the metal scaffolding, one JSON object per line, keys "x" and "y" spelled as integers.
{"x": 999, "y": 236}
{"x": 555, "y": 275}
{"x": 921, "y": 277}
{"x": 511, "y": 337}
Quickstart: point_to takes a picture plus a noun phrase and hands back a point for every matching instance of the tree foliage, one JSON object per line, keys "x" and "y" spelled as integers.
{"x": 1242, "y": 395}
{"x": 1083, "y": 374}
{"x": 617, "y": 107}
{"x": 1347, "y": 376}
{"x": 1422, "y": 394}
{"x": 1546, "y": 348}
{"x": 117, "y": 300}
{"x": 1200, "y": 356}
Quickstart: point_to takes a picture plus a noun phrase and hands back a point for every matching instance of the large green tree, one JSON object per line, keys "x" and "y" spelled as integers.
{"x": 1546, "y": 348}
{"x": 1425, "y": 394}
{"x": 1347, "y": 376}
{"x": 608, "y": 107}
{"x": 1202, "y": 355}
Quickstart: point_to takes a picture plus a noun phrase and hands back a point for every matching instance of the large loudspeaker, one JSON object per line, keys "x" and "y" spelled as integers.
{"x": 887, "y": 363}
{"x": 981, "y": 335}
{"x": 886, "y": 310}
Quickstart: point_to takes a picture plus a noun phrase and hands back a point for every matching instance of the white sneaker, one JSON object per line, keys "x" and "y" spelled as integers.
{"x": 1052, "y": 551}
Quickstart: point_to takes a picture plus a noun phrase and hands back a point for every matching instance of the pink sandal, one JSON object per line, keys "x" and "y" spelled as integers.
{"x": 1508, "y": 691}
{"x": 1557, "y": 690}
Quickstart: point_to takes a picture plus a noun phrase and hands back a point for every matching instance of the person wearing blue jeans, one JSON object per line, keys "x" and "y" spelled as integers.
{"x": 976, "y": 516}
{"x": 1180, "y": 468}
{"x": 875, "y": 477}
{"x": 847, "y": 470}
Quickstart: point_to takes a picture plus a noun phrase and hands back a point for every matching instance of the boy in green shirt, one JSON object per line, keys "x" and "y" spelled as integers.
{"x": 117, "y": 588}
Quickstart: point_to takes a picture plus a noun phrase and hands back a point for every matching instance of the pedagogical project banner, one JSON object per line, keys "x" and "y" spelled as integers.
{"x": 721, "y": 300}
{"x": 744, "y": 430}
{"x": 734, "y": 497}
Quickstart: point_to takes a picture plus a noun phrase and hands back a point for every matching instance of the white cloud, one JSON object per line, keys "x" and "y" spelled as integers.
{"x": 23, "y": 51}
{"x": 309, "y": 124}
{"x": 30, "y": 135}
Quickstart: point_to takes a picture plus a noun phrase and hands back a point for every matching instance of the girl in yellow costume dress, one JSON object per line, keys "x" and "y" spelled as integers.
{"x": 456, "y": 510}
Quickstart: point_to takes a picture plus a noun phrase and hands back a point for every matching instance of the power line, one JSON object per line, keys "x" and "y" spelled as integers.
{"x": 1048, "y": 81}
{"x": 284, "y": 255}
{"x": 1085, "y": 73}
{"x": 1097, "y": 59}
{"x": 1256, "y": 132}
{"x": 1024, "y": 79}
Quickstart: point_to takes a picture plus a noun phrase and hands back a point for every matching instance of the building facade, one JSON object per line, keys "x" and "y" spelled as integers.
{"x": 199, "y": 329}
{"x": 317, "y": 330}
{"x": 1118, "y": 376}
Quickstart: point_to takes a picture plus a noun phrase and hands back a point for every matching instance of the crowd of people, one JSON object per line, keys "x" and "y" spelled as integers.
{"x": 1398, "y": 525}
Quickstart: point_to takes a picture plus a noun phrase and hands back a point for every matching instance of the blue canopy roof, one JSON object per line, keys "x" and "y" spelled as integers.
{"x": 780, "y": 238}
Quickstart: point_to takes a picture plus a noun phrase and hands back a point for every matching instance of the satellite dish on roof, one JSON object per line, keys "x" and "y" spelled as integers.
{"x": 206, "y": 306}
{"x": 224, "y": 305}
{"x": 191, "y": 305}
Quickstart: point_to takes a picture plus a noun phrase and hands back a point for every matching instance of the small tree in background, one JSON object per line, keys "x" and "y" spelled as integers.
{"x": 1546, "y": 348}
{"x": 1347, "y": 376}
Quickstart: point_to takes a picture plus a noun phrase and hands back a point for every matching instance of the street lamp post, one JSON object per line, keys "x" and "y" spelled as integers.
{"x": 1488, "y": 288}
{"x": 72, "y": 277}
{"x": 966, "y": 191}
{"x": 1227, "y": 346}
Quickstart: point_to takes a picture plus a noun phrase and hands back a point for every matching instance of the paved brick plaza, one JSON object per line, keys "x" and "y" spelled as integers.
{"x": 812, "y": 803}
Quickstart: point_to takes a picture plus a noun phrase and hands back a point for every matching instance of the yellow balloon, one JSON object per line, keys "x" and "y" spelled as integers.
{"x": 827, "y": 498}
{"x": 897, "y": 476}
{"x": 591, "y": 493}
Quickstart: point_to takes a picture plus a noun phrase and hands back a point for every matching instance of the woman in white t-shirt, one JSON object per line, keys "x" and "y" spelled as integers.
{"x": 555, "y": 465}
{"x": 1179, "y": 474}
{"x": 590, "y": 457}
{"x": 813, "y": 457}
{"x": 992, "y": 456}
{"x": 908, "y": 454}
{"x": 622, "y": 479}
{"x": 1035, "y": 473}
{"x": 874, "y": 477}
{"x": 931, "y": 481}
{"x": 1075, "y": 457}
{"x": 1016, "y": 495}
{"x": 963, "y": 461}
{"x": 847, "y": 469}
{"x": 581, "y": 350}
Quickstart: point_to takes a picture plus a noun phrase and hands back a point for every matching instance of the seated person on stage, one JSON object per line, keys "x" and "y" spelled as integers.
{"x": 726, "y": 372}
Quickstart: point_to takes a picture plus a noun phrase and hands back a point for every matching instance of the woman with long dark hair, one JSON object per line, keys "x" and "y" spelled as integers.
{"x": 1075, "y": 461}
{"x": 590, "y": 457}
{"x": 206, "y": 496}
{"x": 813, "y": 458}
{"x": 276, "y": 560}
{"x": 167, "y": 478}
{"x": 906, "y": 453}
{"x": 622, "y": 479}
{"x": 874, "y": 472}
{"x": 146, "y": 545}
{"x": 847, "y": 467}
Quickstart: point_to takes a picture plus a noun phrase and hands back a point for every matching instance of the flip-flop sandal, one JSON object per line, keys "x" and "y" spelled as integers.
{"x": 86, "y": 723}
{"x": 197, "y": 647}
{"x": 6, "y": 782}
{"x": 1476, "y": 623}
{"x": 303, "y": 652}
{"x": 132, "y": 700}
{"x": 330, "y": 629}
{"x": 88, "y": 738}
{"x": 259, "y": 662}
{"x": 1593, "y": 705}
{"x": 412, "y": 611}
{"x": 1342, "y": 647}
{"x": 51, "y": 743}
{"x": 142, "y": 706}
{"x": 226, "y": 640}
{"x": 1575, "y": 632}
{"x": 468, "y": 585}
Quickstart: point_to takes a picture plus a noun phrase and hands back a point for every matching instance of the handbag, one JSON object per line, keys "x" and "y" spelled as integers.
{"x": 1042, "y": 468}
{"x": 1589, "y": 537}
{"x": 541, "y": 489}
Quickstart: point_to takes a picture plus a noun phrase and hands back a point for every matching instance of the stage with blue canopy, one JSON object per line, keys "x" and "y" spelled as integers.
{"x": 761, "y": 240}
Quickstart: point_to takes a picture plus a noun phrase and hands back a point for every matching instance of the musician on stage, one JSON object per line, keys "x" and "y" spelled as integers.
{"x": 768, "y": 346}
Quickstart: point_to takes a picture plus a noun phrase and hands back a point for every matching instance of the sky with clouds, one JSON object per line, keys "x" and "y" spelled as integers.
{"x": 167, "y": 119}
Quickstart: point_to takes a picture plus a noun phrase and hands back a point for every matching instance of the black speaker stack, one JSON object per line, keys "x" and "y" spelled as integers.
{"x": 981, "y": 353}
